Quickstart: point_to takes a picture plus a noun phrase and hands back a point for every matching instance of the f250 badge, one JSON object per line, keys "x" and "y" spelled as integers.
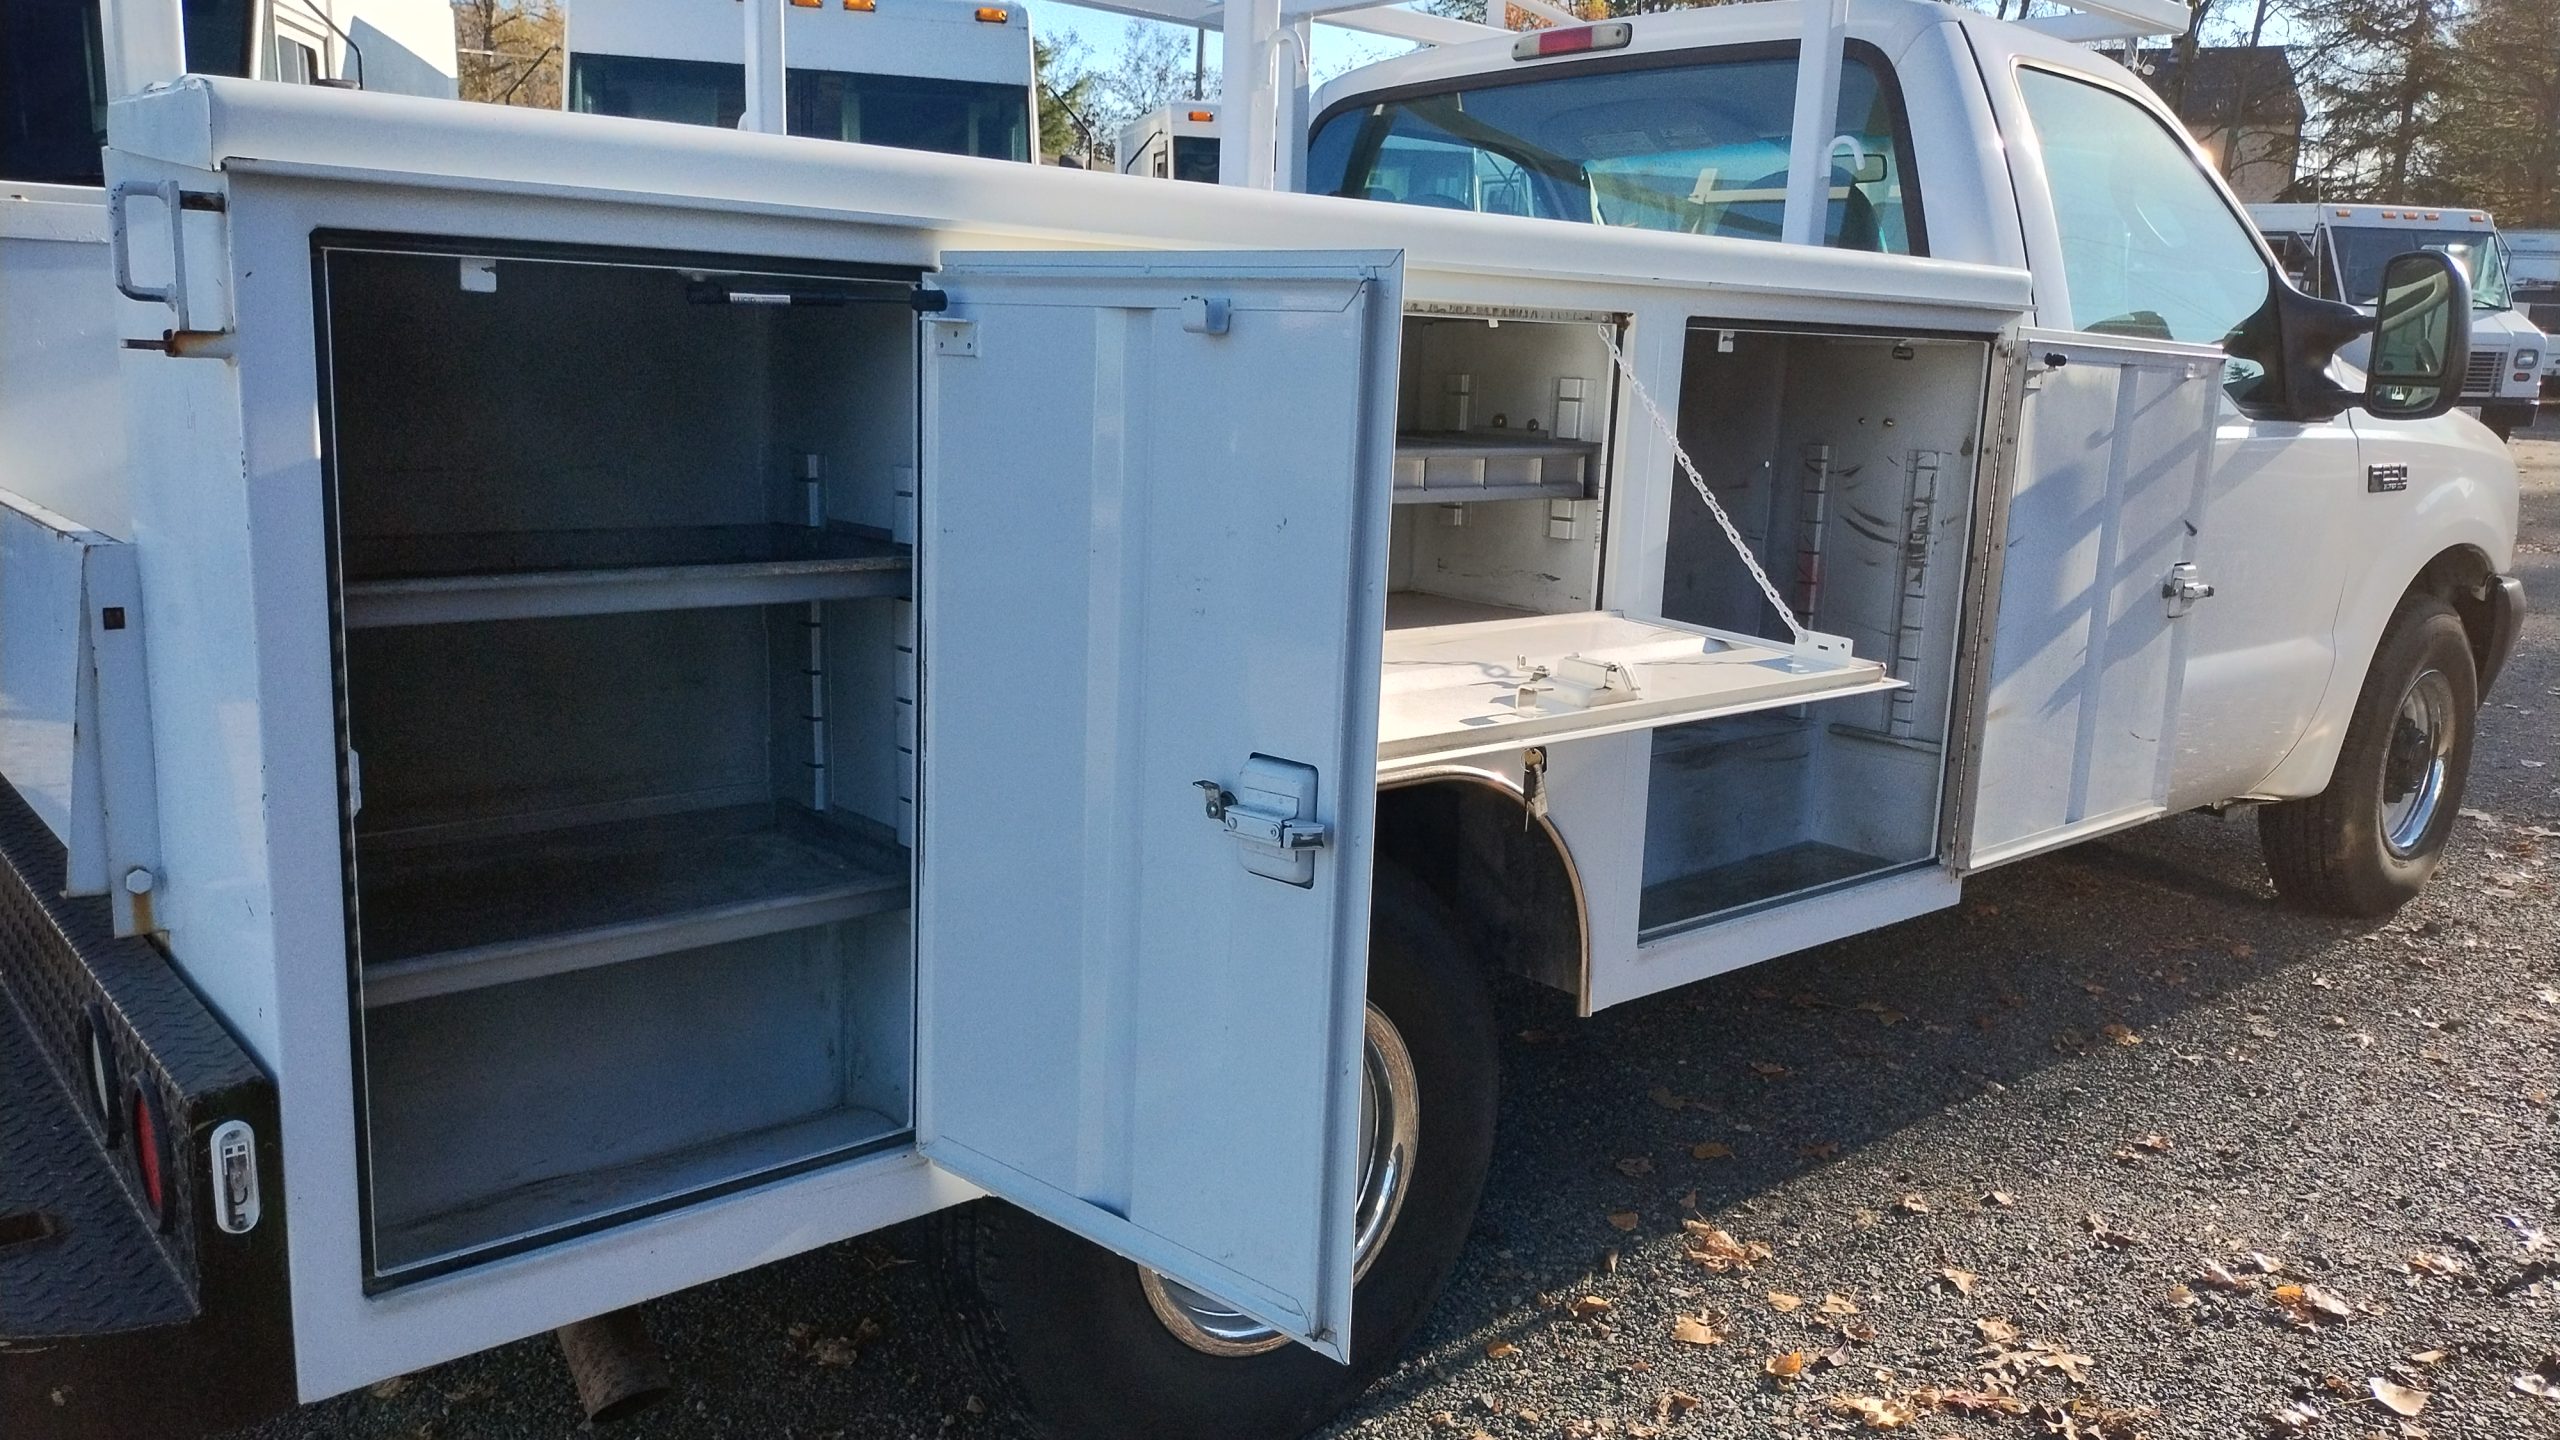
{"x": 2385, "y": 479}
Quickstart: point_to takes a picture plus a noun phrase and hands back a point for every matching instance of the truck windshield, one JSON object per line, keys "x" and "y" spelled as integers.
{"x": 1698, "y": 146}
{"x": 955, "y": 117}
{"x": 2363, "y": 253}
{"x": 1195, "y": 157}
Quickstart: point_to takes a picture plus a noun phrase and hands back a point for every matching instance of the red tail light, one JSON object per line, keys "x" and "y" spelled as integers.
{"x": 150, "y": 1154}
{"x": 1572, "y": 40}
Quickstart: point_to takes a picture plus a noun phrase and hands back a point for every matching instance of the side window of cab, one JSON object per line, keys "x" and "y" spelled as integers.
{"x": 2150, "y": 248}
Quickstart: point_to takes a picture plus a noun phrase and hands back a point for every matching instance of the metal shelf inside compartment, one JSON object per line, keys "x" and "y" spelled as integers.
{"x": 503, "y": 575}
{"x": 464, "y": 914}
{"x": 1439, "y": 467}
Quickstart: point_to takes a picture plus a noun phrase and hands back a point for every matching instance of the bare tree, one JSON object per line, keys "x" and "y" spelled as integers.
{"x": 510, "y": 51}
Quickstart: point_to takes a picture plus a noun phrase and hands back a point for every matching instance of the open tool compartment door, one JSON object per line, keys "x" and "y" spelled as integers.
{"x": 1150, "y": 587}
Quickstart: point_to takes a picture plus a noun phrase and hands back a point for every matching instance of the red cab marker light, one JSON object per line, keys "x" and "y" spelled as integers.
{"x": 1572, "y": 40}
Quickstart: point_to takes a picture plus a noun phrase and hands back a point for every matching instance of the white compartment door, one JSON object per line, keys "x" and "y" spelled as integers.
{"x": 2077, "y": 710}
{"x": 1152, "y": 555}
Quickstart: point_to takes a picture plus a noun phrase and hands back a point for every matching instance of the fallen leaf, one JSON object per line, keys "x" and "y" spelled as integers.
{"x": 1719, "y": 1251}
{"x": 1695, "y": 1330}
{"x": 2294, "y": 1418}
{"x": 1635, "y": 1167}
{"x": 1971, "y": 1402}
{"x": 2430, "y": 1357}
{"x": 1768, "y": 1070}
{"x": 1912, "y": 1205}
{"x": 385, "y": 1389}
{"x": 1961, "y": 1281}
{"x": 2000, "y": 1199}
{"x": 1839, "y": 1305}
{"x": 2307, "y": 1305}
{"x": 1819, "y": 1150}
{"x": 1674, "y": 1404}
{"x": 2428, "y": 1263}
{"x": 2398, "y": 1399}
{"x": 2182, "y": 1298}
{"x": 2214, "y": 1277}
{"x": 1858, "y": 1330}
{"x": 1710, "y": 1150}
{"x": 2156, "y": 1143}
{"x": 1500, "y": 1350}
{"x": 1784, "y": 1367}
{"x": 1663, "y": 1096}
{"x": 1996, "y": 1330}
{"x": 1785, "y": 1304}
{"x": 2099, "y": 1231}
{"x": 1876, "y": 1412}
{"x": 2120, "y": 1033}
{"x": 1587, "y": 1306}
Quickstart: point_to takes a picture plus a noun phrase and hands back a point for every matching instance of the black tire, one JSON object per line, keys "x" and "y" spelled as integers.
{"x": 2328, "y": 853}
{"x": 1066, "y": 1334}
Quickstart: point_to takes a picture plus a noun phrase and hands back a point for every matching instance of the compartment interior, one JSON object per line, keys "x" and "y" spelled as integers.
{"x": 628, "y": 679}
{"x": 1500, "y": 470}
{"x": 1848, "y": 463}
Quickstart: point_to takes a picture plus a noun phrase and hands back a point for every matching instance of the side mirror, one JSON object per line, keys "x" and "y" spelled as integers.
{"x": 2421, "y": 338}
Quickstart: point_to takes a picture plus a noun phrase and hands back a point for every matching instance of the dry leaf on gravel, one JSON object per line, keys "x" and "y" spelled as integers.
{"x": 2295, "y": 1418}
{"x": 1710, "y": 1150}
{"x": 2306, "y": 1306}
{"x": 1996, "y": 1330}
{"x": 1999, "y": 1199}
{"x": 1668, "y": 1099}
{"x": 1876, "y": 1412}
{"x": 2155, "y": 1142}
{"x": 1785, "y": 1304}
{"x": 1673, "y": 1404}
{"x": 2039, "y": 1355}
{"x": 2430, "y": 1263}
{"x": 2398, "y": 1399}
{"x": 1718, "y": 1250}
{"x": 1784, "y": 1367}
{"x": 1624, "y": 1219}
{"x": 1587, "y": 1307}
{"x": 2214, "y": 1277}
{"x": 1696, "y": 1330}
{"x": 2105, "y": 1234}
{"x": 1500, "y": 1350}
{"x": 1960, "y": 1281}
{"x": 1912, "y": 1205}
{"x": 1839, "y": 1305}
{"x": 2430, "y": 1357}
{"x": 1769, "y": 1070}
{"x": 2121, "y": 1034}
{"x": 1635, "y": 1167}
{"x": 1819, "y": 1150}
{"x": 1971, "y": 1402}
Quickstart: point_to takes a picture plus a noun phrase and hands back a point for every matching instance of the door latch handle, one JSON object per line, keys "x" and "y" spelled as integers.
{"x": 1271, "y": 813}
{"x": 2184, "y": 586}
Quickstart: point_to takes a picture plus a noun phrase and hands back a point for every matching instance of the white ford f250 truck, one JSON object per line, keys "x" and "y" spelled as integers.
{"x": 647, "y": 698}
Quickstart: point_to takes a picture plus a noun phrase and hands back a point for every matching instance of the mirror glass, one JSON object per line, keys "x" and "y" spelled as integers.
{"x": 2418, "y": 337}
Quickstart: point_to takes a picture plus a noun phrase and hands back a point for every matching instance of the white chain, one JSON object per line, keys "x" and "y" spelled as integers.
{"x": 1697, "y": 482}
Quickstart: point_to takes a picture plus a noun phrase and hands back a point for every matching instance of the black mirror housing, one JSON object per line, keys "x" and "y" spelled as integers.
{"x": 2421, "y": 338}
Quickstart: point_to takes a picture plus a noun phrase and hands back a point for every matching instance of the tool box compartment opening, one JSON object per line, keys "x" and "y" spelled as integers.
{"x": 1849, "y": 465}
{"x": 626, "y": 680}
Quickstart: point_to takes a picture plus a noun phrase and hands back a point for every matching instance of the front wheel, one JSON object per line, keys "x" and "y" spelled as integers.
{"x": 1093, "y": 1347}
{"x": 2369, "y": 843}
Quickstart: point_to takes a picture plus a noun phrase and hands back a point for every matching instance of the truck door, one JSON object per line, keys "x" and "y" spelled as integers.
{"x": 2094, "y": 550}
{"x": 1151, "y": 588}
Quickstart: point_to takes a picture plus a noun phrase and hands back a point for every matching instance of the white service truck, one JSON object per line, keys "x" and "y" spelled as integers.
{"x": 944, "y": 75}
{"x": 1172, "y": 142}
{"x": 2533, "y": 264}
{"x": 648, "y": 698}
{"x": 2342, "y": 250}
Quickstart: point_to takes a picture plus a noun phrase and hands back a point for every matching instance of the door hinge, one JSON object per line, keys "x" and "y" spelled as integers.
{"x": 2184, "y": 586}
{"x": 1271, "y": 814}
{"x": 925, "y": 300}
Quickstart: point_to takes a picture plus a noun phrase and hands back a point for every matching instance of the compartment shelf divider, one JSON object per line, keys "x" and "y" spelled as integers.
{"x": 448, "y": 579}
{"x": 464, "y": 916}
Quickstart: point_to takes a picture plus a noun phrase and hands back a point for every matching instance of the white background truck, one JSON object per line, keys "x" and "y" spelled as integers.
{"x": 2533, "y": 258}
{"x": 2344, "y": 247}
{"x": 649, "y": 698}
{"x": 943, "y": 75}
{"x": 1172, "y": 142}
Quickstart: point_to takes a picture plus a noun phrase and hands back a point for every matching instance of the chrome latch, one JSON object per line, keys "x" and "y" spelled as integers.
{"x": 1271, "y": 814}
{"x": 2185, "y": 586}
{"x": 235, "y": 1178}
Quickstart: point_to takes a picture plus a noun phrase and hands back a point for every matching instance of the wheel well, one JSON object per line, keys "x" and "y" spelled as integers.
{"x": 1504, "y": 874}
{"x": 2461, "y": 576}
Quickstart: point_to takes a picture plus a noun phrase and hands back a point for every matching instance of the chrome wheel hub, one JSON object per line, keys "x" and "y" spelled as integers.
{"x": 1390, "y": 1130}
{"x": 2415, "y": 762}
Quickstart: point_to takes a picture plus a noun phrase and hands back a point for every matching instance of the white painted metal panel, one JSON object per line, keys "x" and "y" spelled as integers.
{"x": 1155, "y": 499}
{"x": 2078, "y": 720}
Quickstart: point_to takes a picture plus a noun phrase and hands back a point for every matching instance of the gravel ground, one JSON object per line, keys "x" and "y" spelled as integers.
{"x": 2075, "y": 1141}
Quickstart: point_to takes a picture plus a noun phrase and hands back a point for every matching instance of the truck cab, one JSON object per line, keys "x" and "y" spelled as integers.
{"x": 2344, "y": 247}
{"x": 939, "y": 75}
{"x": 1173, "y": 142}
